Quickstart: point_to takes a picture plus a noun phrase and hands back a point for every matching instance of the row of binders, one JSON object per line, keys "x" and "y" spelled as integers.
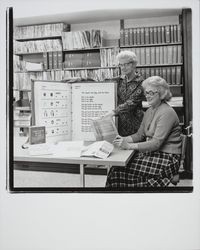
{"x": 158, "y": 55}
{"x": 80, "y": 60}
{"x": 39, "y": 31}
{"x": 171, "y": 74}
{"x": 150, "y": 35}
{"x": 53, "y": 60}
{"x": 37, "y": 46}
{"x": 82, "y": 39}
{"x": 22, "y": 81}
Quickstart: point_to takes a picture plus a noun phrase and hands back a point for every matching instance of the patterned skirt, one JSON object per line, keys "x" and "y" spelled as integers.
{"x": 151, "y": 169}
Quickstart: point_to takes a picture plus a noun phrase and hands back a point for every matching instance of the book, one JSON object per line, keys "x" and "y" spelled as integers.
{"x": 66, "y": 109}
{"x": 37, "y": 134}
{"x": 100, "y": 149}
{"x": 104, "y": 129}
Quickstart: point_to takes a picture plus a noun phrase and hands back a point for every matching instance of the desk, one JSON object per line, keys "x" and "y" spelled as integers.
{"x": 117, "y": 158}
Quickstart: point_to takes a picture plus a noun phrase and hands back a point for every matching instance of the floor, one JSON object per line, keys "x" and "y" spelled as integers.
{"x": 51, "y": 179}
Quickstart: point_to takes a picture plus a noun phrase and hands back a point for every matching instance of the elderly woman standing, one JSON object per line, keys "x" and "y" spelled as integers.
{"x": 129, "y": 95}
{"x": 157, "y": 143}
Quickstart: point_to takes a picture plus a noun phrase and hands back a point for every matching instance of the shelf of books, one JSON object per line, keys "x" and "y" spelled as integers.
{"x": 52, "y": 52}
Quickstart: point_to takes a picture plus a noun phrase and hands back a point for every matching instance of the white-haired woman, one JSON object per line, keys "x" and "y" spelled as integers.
{"x": 157, "y": 143}
{"x": 129, "y": 95}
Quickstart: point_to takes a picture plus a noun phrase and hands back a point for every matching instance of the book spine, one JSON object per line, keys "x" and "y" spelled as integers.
{"x": 151, "y": 35}
{"x": 121, "y": 37}
{"x": 155, "y": 35}
{"x": 142, "y": 36}
{"x": 45, "y": 60}
{"x": 172, "y": 33}
{"x": 60, "y": 59}
{"x": 126, "y": 42}
{"x": 163, "y": 34}
{"x": 55, "y": 60}
{"x": 167, "y": 34}
{"x": 147, "y": 55}
{"x": 153, "y": 55}
{"x": 173, "y": 75}
{"x": 178, "y": 75}
{"x": 50, "y": 60}
{"x": 134, "y": 36}
{"x": 179, "y": 38}
{"x": 159, "y": 34}
{"x": 138, "y": 36}
{"x": 130, "y": 36}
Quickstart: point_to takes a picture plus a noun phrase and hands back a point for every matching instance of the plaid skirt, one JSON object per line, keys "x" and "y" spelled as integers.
{"x": 151, "y": 169}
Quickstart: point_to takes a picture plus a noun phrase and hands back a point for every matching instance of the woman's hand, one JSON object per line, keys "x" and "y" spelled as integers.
{"x": 109, "y": 115}
{"x": 121, "y": 142}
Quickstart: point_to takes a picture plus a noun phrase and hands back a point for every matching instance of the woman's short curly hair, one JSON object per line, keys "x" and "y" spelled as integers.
{"x": 130, "y": 56}
{"x": 160, "y": 84}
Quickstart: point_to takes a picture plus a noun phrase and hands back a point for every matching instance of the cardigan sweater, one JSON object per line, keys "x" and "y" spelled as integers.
{"x": 159, "y": 131}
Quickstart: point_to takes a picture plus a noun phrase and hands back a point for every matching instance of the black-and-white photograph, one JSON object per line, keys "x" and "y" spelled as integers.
{"x": 101, "y": 99}
{"x": 99, "y": 124}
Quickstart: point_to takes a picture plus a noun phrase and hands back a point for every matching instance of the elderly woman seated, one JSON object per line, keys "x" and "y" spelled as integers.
{"x": 157, "y": 143}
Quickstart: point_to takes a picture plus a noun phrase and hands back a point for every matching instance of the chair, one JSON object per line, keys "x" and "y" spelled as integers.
{"x": 176, "y": 178}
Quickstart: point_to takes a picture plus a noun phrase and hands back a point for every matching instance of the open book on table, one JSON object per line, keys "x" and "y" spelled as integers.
{"x": 100, "y": 149}
{"x": 66, "y": 109}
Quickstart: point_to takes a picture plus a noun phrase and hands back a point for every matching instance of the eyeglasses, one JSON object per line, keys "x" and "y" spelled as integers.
{"x": 151, "y": 93}
{"x": 124, "y": 64}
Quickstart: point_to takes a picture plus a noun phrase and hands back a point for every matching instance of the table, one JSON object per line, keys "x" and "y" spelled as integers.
{"x": 117, "y": 158}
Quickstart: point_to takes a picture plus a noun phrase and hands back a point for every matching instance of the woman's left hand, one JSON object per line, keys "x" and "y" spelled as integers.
{"x": 121, "y": 142}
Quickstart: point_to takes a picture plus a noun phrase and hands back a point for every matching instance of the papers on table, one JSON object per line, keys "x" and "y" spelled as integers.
{"x": 68, "y": 149}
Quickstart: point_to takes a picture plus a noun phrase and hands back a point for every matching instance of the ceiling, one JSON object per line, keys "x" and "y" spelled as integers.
{"x": 96, "y": 16}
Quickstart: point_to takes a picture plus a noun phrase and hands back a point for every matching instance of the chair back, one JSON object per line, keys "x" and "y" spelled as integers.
{"x": 183, "y": 150}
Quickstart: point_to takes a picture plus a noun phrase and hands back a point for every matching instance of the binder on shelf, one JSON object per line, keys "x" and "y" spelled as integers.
{"x": 175, "y": 33}
{"x": 174, "y": 54}
{"x": 45, "y": 61}
{"x": 169, "y": 80}
{"x": 142, "y": 56}
{"x": 60, "y": 59}
{"x": 173, "y": 75}
{"x": 178, "y": 75}
{"x": 138, "y": 36}
{"x": 50, "y": 60}
{"x": 179, "y": 38}
{"x": 134, "y": 36}
{"x": 155, "y": 35}
{"x": 167, "y": 34}
{"x": 151, "y": 35}
{"x": 159, "y": 34}
{"x": 165, "y": 54}
{"x": 130, "y": 36}
{"x": 172, "y": 33}
{"x": 147, "y": 72}
{"x": 153, "y": 55}
{"x": 126, "y": 37}
{"x": 179, "y": 54}
{"x": 157, "y": 55}
{"x": 169, "y": 55}
{"x": 122, "y": 37}
{"x": 147, "y": 56}
{"x": 142, "y": 36}
{"x": 164, "y": 73}
{"x": 152, "y": 72}
{"x": 55, "y": 59}
{"x": 163, "y": 34}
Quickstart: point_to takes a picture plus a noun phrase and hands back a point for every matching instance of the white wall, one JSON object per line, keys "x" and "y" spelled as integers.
{"x": 31, "y": 221}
